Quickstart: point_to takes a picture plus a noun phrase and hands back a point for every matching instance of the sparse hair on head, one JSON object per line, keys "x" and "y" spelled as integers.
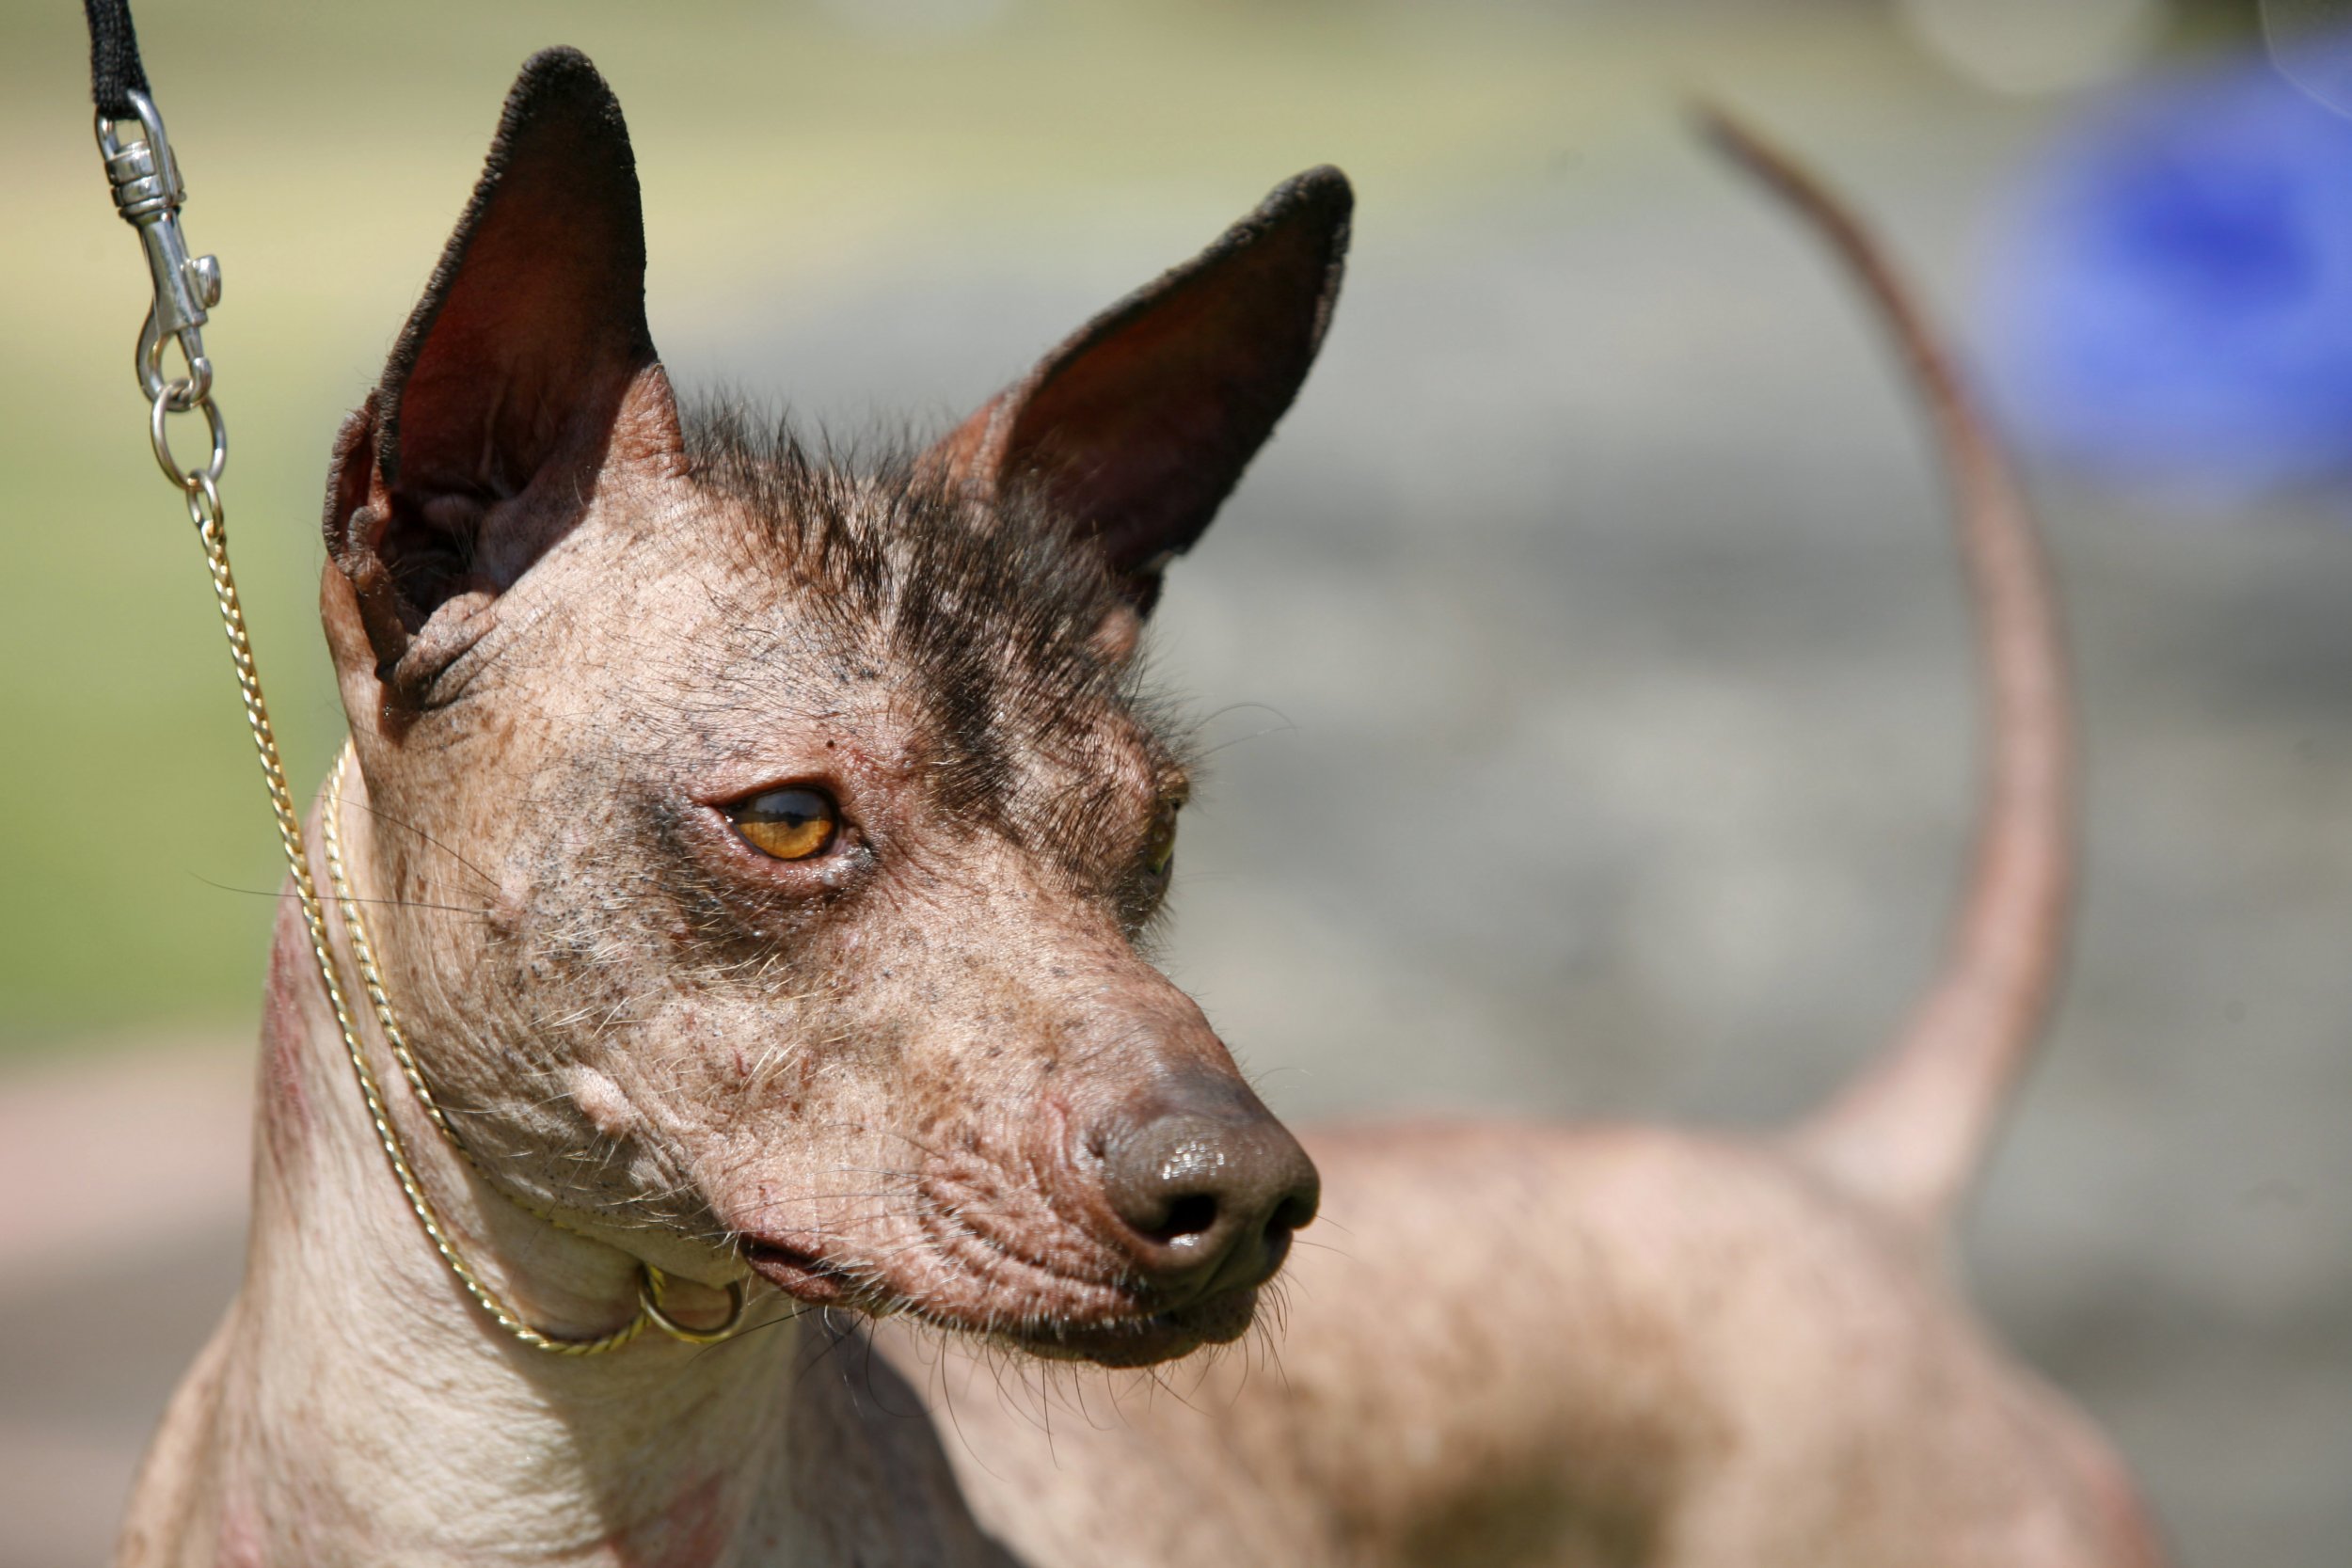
{"x": 986, "y": 607}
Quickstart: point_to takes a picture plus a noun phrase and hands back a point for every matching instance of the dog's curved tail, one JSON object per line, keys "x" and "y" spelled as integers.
{"x": 1909, "y": 1132}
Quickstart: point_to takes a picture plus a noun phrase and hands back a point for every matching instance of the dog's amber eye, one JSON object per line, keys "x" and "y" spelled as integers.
{"x": 790, "y": 824}
{"x": 1159, "y": 852}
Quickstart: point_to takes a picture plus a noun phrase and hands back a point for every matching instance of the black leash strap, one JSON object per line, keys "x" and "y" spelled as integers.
{"x": 147, "y": 190}
{"x": 115, "y": 72}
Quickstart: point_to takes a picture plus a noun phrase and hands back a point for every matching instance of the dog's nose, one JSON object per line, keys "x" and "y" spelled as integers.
{"x": 1208, "y": 1186}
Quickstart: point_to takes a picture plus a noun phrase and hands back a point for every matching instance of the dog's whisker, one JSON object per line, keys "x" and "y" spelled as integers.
{"x": 388, "y": 819}
{"x": 284, "y": 895}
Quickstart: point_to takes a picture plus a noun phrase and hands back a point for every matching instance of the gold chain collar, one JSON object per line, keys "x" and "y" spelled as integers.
{"x": 149, "y": 190}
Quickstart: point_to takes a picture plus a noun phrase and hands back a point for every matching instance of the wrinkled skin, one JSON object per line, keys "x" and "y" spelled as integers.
{"x": 883, "y": 1065}
{"x": 925, "y": 1080}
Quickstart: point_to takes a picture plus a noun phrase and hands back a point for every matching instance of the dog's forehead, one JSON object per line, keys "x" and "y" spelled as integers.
{"x": 772, "y": 596}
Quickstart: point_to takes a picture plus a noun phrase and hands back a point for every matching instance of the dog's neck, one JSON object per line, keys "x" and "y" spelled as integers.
{"x": 376, "y": 1359}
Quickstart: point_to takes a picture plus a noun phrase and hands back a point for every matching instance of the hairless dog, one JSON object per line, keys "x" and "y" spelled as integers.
{"x": 747, "y": 855}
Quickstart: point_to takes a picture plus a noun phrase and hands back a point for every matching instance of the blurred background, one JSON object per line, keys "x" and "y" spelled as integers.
{"x": 1603, "y": 534}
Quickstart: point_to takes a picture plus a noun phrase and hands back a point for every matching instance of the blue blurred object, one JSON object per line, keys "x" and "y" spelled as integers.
{"x": 2169, "y": 300}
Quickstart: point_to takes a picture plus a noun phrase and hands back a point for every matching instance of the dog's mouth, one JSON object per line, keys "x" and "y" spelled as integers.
{"x": 985, "y": 1245}
{"x": 801, "y": 1273}
{"x": 1142, "y": 1340}
{"x": 1109, "y": 1327}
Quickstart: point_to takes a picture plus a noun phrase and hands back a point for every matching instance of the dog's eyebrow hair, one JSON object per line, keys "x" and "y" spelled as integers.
{"x": 991, "y": 610}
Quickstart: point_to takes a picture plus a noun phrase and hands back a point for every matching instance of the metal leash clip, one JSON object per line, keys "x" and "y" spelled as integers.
{"x": 148, "y": 193}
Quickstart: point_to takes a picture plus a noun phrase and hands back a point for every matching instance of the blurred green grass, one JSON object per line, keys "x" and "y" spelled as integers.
{"x": 784, "y": 147}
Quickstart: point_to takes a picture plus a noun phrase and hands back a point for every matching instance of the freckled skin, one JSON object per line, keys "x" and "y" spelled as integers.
{"x": 748, "y": 1074}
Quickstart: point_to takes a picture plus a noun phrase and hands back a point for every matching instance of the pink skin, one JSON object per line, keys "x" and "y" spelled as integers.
{"x": 282, "y": 1092}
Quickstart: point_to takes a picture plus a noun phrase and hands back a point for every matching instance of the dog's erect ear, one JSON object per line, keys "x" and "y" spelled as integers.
{"x": 524, "y": 373}
{"x": 1137, "y": 428}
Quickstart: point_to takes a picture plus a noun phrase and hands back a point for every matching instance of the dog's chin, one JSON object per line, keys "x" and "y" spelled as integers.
{"x": 1138, "y": 1342}
{"x": 1136, "y": 1337}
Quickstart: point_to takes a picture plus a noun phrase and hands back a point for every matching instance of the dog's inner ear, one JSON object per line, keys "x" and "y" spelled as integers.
{"x": 524, "y": 376}
{"x": 1135, "y": 429}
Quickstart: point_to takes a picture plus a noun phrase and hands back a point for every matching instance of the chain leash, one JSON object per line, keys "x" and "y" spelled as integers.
{"x": 149, "y": 192}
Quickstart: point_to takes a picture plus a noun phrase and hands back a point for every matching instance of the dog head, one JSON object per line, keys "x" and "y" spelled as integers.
{"x": 766, "y": 843}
